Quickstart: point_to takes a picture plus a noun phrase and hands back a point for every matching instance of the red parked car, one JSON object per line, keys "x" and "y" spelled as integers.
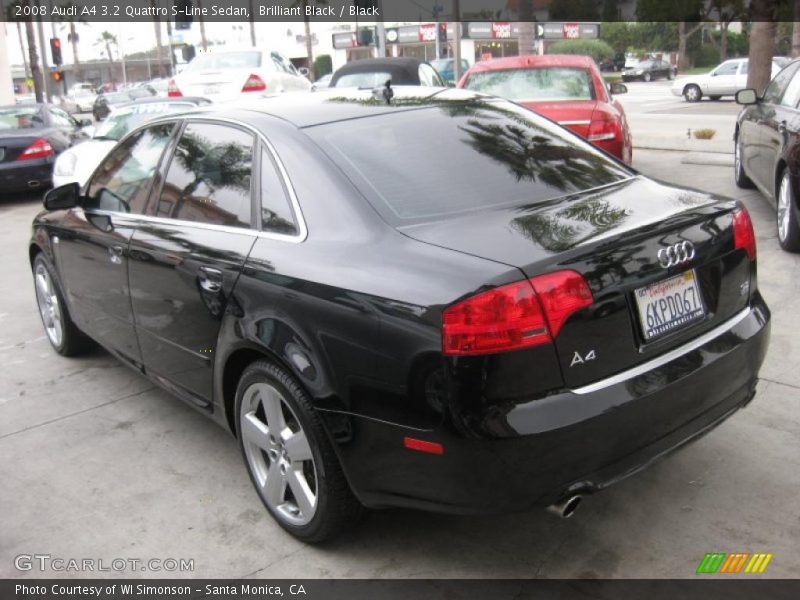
{"x": 565, "y": 88}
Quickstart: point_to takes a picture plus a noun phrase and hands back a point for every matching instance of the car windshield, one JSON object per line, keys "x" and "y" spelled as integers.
{"x": 645, "y": 64}
{"x": 435, "y": 162}
{"x": 226, "y": 60}
{"x": 127, "y": 118}
{"x": 363, "y": 80}
{"x": 547, "y": 83}
{"x": 21, "y": 117}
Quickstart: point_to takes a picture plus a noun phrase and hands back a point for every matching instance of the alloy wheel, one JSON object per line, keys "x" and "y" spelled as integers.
{"x": 279, "y": 454}
{"x": 784, "y": 212}
{"x": 49, "y": 307}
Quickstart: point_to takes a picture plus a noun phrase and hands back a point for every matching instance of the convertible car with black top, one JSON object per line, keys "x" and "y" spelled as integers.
{"x": 433, "y": 298}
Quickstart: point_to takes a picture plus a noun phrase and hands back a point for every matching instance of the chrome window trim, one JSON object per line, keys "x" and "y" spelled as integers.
{"x": 301, "y": 222}
{"x": 664, "y": 358}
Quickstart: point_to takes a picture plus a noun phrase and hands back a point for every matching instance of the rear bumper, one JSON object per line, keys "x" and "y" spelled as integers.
{"x": 17, "y": 176}
{"x": 577, "y": 441}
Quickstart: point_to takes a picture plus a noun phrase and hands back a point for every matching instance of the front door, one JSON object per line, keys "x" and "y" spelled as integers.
{"x": 92, "y": 251}
{"x": 186, "y": 260}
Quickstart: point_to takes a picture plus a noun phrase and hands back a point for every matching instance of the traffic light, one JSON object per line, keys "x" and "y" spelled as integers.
{"x": 55, "y": 51}
{"x": 57, "y": 76}
{"x": 442, "y": 32}
{"x": 184, "y": 16}
{"x": 366, "y": 36}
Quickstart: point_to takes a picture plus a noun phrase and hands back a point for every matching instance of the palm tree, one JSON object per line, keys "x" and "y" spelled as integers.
{"x": 73, "y": 37}
{"x": 107, "y": 39}
{"x": 307, "y": 26}
{"x": 159, "y": 43}
{"x": 202, "y": 24}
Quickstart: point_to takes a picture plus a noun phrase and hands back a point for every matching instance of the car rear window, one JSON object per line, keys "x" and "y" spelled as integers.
{"x": 431, "y": 163}
{"x": 226, "y": 60}
{"x": 363, "y": 80}
{"x": 19, "y": 117}
{"x": 546, "y": 83}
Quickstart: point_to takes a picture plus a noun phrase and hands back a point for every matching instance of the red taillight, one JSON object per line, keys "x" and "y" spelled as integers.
{"x": 743, "y": 235}
{"x": 517, "y": 315}
{"x": 254, "y": 83}
{"x": 38, "y": 149}
{"x": 604, "y": 129}
{"x": 172, "y": 89}
{"x": 423, "y": 446}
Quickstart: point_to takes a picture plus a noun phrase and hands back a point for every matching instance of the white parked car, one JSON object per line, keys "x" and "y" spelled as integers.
{"x": 231, "y": 74}
{"x": 79, "y": 162}
{"x": 723, "y": 80}
{"x": 80, "y": 98}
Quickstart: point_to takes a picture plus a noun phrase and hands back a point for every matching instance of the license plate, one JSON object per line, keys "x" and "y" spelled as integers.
{"x": 211, "y": 89}
{"x": 669, "y": 304}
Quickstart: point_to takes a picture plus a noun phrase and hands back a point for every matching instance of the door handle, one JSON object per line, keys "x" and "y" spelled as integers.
{"x": 210, "y": 279}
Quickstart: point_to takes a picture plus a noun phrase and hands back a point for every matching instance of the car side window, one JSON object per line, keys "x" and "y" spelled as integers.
{"x": 208, "y": 180}
{"x": 60, "y": 118}
{"x": 726, "y": 69}
{"x": 122, "y": 182}
{"x": 429, "y": 76}
{"x": 276, "y": 210}
{"x": 776, "y": 89}
{"x": 791, "y": 96}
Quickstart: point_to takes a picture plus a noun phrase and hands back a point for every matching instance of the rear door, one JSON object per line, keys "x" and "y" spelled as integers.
{"x": 186, "y": 259}
{"x": 92, "y": 252}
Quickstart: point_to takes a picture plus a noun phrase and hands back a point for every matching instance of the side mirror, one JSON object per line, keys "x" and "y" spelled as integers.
{"x": 64, "y": 196}
{"x": 304, "y": 71}
{"x": 746, "y": 97}
{"x": 85, "y": 123}
{"x": 617, "y": 88}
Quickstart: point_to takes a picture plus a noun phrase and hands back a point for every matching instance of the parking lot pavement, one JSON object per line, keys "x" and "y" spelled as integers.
{"x": 663, "y": 121}
{"x": 96, "y": 463}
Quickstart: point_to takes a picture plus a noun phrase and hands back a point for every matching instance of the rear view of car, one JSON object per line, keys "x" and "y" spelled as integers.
{"x": 228, "y": 75}
{"x": 568, "y": 89}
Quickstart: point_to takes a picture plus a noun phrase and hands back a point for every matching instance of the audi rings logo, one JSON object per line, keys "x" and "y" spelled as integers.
{"x": 676, "y": 254}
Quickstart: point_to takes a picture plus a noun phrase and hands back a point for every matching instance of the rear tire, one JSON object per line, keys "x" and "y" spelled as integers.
{"x": 786, "y": 215}
{"x": 692, "y": 93}
{"x": 289, "y": 457}
{"x": 739, "y": 176}
{"x": 63, "y": 334}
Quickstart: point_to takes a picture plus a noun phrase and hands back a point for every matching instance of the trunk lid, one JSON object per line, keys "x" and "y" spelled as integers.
{"x": 12, "y": 144}
{"x": 612, "y": 236}
{"x": 574, "y": 115}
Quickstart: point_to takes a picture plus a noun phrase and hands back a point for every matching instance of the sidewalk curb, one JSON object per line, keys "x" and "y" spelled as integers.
{"x": 652, "y": 142}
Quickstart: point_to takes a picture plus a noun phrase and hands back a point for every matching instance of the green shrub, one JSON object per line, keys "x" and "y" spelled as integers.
{"x": 597, "y": 49}
{"x": 322, "y": 65}
{"x": 705, "y": 56}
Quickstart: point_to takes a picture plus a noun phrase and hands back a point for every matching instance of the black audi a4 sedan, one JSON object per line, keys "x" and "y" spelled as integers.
{"x": 767, "y": 149}
{"x": 443, "y": 302}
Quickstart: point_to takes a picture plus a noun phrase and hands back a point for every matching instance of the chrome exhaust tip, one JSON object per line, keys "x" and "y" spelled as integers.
{"x": 33, "y": 184}
{"x": 566, "y": 507}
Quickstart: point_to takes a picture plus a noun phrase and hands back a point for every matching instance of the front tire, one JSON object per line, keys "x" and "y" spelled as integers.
{"x": 739, "y": 176}
{"x": 692, "y": 93}
{"x": 290, "y": 459}
{"x": 788, "y": 229}
{"x": 64, "y": 336}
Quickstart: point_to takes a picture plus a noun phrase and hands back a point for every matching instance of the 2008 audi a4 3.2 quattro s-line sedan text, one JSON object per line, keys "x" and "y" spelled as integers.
{"x": 440, "y": 301}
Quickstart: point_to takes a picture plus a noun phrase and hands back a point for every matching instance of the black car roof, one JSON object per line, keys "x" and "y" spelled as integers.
{"x": 403, "y": 70}
{"x": 330, "y": 105}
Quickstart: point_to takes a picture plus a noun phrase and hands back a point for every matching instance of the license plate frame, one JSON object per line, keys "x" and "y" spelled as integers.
{"x": 669, "y": 305}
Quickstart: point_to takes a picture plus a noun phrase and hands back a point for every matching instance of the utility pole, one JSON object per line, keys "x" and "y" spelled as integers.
{"x": 45, "y": 71}
{"x": 456, "y": 41}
